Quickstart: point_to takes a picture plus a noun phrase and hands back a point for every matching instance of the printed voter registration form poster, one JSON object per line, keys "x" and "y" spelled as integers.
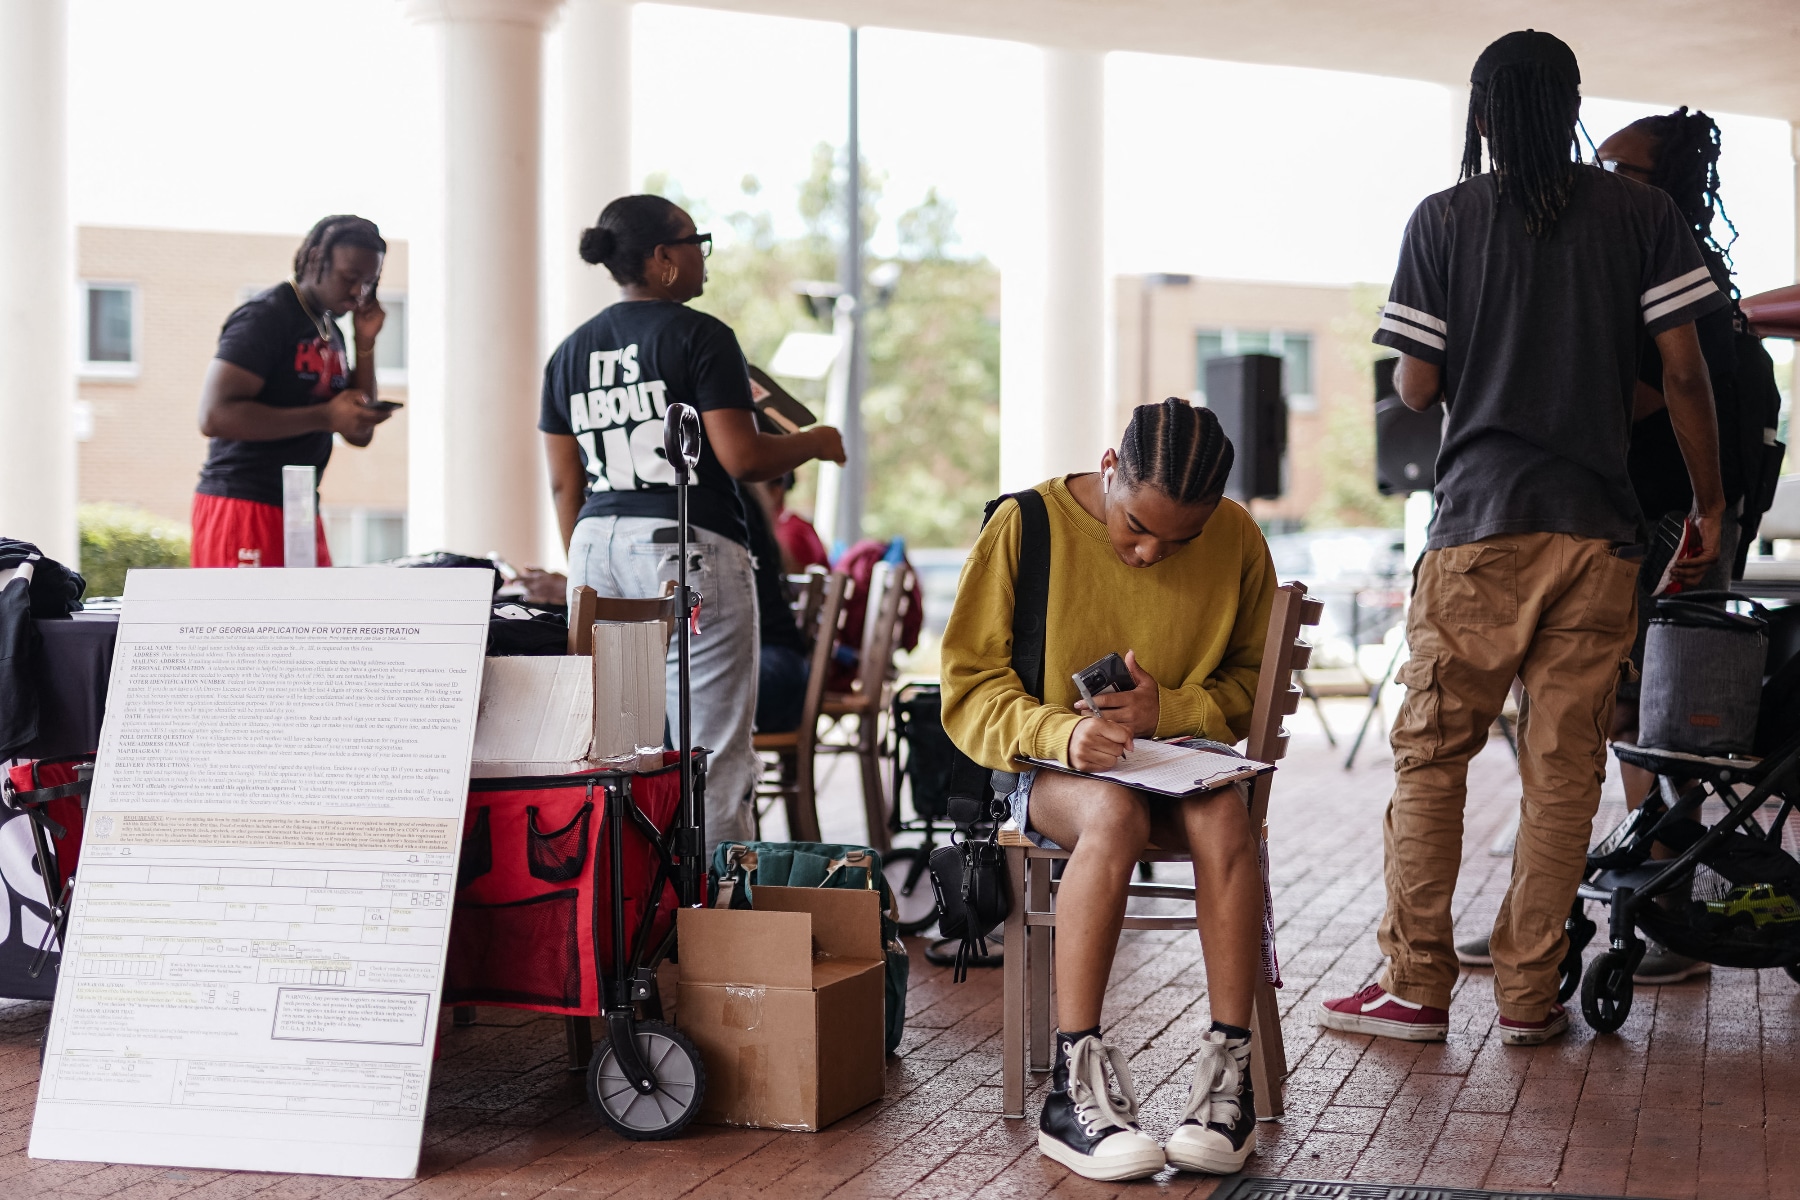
{"x": 256, "y": 946}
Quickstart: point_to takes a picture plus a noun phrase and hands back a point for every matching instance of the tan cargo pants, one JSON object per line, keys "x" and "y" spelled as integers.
{"x": 1559, "y": 613}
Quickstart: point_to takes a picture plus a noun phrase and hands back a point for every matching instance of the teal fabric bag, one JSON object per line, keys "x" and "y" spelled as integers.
{"x": 741, "y": 866}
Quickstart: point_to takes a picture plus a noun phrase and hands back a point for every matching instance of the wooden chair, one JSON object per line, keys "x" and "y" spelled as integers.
{"x": 1029, "y": 936}
{"x": 793, "y": 778}
{"x": 890, "y": 597}
{"x": 809, "y": 593}
{"x": 589, "y": 607}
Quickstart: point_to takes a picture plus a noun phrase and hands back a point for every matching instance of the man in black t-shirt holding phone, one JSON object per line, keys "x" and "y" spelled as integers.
{"x": 280, "y": 385}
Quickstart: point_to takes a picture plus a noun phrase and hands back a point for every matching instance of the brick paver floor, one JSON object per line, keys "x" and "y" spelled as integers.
{"x": 1698, "y": 1095}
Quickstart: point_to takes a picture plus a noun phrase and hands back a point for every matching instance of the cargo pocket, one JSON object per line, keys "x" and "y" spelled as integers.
{"x": 1418, "y": 731}
{"x": 1479, "y": 584}
{"x": 558, "y": 855}
{"x": 524, "y": 952}
{"x": 1612, "y": 589}
{"x": 477, "y": 857}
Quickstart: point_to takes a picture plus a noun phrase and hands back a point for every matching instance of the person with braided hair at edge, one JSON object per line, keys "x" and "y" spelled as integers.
{"x": 1521, "y": 298}
{"x": 1677, "y": 152}
{"x": 606, "y": 390}
{"x": 1148, "y": 559}
{"x": 280, "y": 385}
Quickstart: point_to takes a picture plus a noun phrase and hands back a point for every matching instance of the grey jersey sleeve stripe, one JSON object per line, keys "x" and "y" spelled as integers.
{"x": 1422, "y": 336}
{"x": 1699, "y": 291}
{"x": 1674, "y": 285}
{"x": 1393, "y": 309}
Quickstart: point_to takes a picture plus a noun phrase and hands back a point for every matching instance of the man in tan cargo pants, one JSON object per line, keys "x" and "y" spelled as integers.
{"x": 1521, "y": 299}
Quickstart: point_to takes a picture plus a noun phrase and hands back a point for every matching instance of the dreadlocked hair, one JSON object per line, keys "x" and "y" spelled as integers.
{"x": 1530, "y": 111}
{"x": 1687, "y": 167}
{"x": 332, "y": 232}
{"x": 1180, "y": 450}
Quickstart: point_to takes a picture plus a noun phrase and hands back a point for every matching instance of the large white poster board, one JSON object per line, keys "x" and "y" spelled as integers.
{"x": 256, "y": 949}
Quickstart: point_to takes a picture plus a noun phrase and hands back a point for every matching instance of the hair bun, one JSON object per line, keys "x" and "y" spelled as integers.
{"x": 597, "y": 244}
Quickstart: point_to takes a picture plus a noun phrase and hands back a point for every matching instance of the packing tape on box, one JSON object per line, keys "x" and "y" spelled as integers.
{"x": 743, "y": 1010}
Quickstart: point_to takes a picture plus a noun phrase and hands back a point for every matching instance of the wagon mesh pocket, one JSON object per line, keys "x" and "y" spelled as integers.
{"x": 477, "y": 857}
{"x": 558, "y": 855}
{"x": 525, "y": 952}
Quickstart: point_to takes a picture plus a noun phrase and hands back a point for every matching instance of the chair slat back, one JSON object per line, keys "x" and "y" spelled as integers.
{"x": 834, "y": 591}
{"x": 809, "y": 592}
{"x": 1276, "y": 693}
{"x": 581, "y": 621}
{"x": 627, "y": 610}
{"x": 890, "y": 597}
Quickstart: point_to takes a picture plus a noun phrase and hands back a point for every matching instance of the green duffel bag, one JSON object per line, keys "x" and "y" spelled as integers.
{"x": 740, "y": 866}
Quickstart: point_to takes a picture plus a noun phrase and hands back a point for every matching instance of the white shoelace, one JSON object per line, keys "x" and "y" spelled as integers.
{"x": 1218, "y": 1077}
{"x": 1097, "y": 1103}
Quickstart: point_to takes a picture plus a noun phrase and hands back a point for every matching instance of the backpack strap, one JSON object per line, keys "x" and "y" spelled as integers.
{"x": 1031, "y": 590}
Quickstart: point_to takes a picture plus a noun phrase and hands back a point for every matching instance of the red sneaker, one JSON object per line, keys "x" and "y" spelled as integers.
{"x": 1383, "y": 1014}
{"x": 1534, "y": 1033}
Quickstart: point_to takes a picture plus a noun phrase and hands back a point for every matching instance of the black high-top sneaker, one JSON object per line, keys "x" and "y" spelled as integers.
{"x": 1218, "y": 1129}
{"x": 1089, "y": 1124}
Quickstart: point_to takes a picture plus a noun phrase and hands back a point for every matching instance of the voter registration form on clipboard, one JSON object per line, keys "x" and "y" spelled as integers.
{"x": 1169, "y": 768}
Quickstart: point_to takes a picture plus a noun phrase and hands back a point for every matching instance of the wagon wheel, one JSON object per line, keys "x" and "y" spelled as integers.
{"x": 680, "y": 1078}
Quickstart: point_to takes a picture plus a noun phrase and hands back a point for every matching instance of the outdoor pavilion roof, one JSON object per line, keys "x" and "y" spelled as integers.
{"x": 1736, "y": 58}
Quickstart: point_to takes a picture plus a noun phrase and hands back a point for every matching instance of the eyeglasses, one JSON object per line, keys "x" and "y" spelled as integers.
{"x": 702, "y": 240}
{"x": 1616, "y": 167}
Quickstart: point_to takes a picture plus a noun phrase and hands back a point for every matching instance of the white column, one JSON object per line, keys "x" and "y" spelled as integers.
{"x": 1053, "y": 301}
{"x": 475, "y": 461}
{"x": 37, "y": 273}
{"x": 596, "y": 147}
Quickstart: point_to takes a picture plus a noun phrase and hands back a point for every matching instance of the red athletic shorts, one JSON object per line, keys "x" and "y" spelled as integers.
{"x": 241, "y": 533}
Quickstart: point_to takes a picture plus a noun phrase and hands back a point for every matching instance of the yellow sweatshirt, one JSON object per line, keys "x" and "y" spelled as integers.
{"x": 1196, "y": 619}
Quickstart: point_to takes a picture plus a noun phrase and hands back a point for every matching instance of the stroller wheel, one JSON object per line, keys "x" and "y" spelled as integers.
{"x": 680, "y": 1084}
{"x": 1581, "y": 932}
{"x": 1606, "y": 991}
{"x": 907, "y": 876}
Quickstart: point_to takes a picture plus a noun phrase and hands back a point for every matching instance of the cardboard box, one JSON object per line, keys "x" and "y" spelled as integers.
{"x": 555, "y": 714}
{"x": 536, "y": 716}
{"x": 786, "y": 1004}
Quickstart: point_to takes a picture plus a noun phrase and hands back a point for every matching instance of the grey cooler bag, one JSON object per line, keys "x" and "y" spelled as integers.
{"x": 1703, "y": 674}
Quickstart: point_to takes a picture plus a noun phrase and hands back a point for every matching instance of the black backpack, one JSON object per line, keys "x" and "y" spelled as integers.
{"x": 969, "y": 875}
{"x": 1756, "y": 402}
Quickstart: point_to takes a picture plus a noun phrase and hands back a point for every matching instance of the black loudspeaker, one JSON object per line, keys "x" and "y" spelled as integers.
{"x": 1245, "y": 391}
{"x": 1406, "y": 442}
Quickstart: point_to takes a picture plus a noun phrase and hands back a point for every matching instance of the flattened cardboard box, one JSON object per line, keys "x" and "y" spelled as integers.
{"x": 785, "y": 1004}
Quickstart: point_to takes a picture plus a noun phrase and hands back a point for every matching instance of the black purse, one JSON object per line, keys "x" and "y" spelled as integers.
{"x": 968, "y": 877}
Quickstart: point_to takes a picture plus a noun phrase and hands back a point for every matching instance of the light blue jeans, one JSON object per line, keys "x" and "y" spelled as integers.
{"x": 615, "y": 557}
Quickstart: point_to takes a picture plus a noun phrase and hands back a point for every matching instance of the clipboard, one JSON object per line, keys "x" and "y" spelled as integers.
{"x": 1168, "y": 769}
{"x": 776, "y": 410}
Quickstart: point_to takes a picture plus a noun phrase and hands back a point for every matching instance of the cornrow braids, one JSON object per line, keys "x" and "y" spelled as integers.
{"x": 1180, "y": 450}
{"x": 1687, "y": 167}
{"x": 1530, "y": 111}
{"x": 332, "y": 232}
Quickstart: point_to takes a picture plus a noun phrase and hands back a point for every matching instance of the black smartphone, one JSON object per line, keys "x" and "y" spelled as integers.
{"x": 383, "y": 405}
{"x": 1108, "y": 675}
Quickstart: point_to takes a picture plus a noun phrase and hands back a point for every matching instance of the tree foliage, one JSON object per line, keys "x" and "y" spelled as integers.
{"x": 931, "y": 412}
{"x": 1348, "y": 497}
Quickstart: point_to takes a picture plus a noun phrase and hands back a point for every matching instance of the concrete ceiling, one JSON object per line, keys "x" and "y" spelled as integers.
{"x": 1742, "y": 56}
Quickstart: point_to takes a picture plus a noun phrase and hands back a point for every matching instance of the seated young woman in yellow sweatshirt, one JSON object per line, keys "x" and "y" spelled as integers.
{"x": 1148, "y": 560}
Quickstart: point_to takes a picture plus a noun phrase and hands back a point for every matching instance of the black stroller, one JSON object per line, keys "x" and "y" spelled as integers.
{"x": 1741, "y": 888}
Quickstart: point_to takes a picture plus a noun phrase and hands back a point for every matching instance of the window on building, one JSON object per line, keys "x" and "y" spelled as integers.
{"x": 1295, "y": 349}
{"x": 358, "y": 536}
{"x": 109, "y": 329}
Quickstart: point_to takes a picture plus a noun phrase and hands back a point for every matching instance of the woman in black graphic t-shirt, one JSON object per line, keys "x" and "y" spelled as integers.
{"x": 606, "y": 390}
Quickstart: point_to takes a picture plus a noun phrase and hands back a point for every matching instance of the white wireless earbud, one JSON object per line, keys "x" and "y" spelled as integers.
{"x": 1106, "y": 481}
